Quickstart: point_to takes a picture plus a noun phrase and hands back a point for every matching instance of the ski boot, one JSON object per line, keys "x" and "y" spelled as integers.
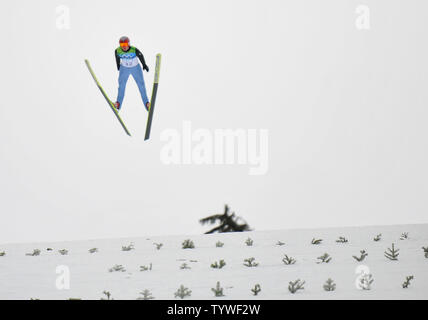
{"x": 148, "y": 106}
{"x": 117, "y": 105}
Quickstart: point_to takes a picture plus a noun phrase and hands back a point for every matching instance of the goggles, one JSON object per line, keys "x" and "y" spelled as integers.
{"x": 124, "y": 44}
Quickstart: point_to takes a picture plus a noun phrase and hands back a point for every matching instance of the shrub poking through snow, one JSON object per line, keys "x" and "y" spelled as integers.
{"x": 256, "y": 289}
{"x": 128, "y": 248}
{"x": 93, "y": 250}
{"x": 35, "y": 252}
{"x": 108, "y": 295}
{"x": 406, "y": 283}
{"x": 219, "y": 244}
{"x": 182, "y": 292}
{"x": 218, "y": 265}
{"x": 365, "y": 281}
{"x": 184, "y": 266}
{"x": 227, "y": 222}
{"x": 316, "y": 241}
{"x": 280, "y": 243}
{"x": 294, "y": 286}
{"x": 218, "y": 290}
{"x": 2, "y": 254}
{"x": 145, "y": 268}
{"x": 250, "y": 262}
{"x": 188, "y": 244}
{"x": 342, "y": 240}
{"x": 404, "y": 236}
{"x": 249, "y": 242}
{"x": 117, "y": 268}
{"x": 329, "y": 285}
{"x": 146, "y": 295}
{"x": 363, "y": 255}
{"x": 288, "y": 260}
{"x": 325, "y": 258}
{"x": 63, "y": 252}
{"x": 425, "y": 251}
{"x": 392, "y": 253}
{"x": 49, "y": 249}
{"x": 378, "y": 237}
{"x": 158, "y": 245}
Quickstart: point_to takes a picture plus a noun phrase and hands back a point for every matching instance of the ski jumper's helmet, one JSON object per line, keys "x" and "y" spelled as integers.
{"x": 124, "y": 40}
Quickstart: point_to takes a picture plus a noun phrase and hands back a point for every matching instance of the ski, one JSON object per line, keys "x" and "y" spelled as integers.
{"x": 153, "y": 99}
{"x": 106, "y": 97}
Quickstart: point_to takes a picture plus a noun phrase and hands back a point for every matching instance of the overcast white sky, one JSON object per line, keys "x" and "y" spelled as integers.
{"x": 345, "y": 110}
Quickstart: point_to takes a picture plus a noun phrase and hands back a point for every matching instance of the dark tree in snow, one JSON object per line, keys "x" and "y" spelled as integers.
{"x": 329, "y": 285}
{"x": 183, "y": 292}
{"x": 363, "y": 255}
{"x": 392, "y": 253}
{"x": 294, "y": 286}
{"x": 256, "y": 289}
{"x": 406, "y": 283}
{"x": 227, "y": 222}
{"x": 425, "y": 251}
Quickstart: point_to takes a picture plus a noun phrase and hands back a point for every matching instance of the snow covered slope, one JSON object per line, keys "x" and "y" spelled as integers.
{"x": 26, "y": 277}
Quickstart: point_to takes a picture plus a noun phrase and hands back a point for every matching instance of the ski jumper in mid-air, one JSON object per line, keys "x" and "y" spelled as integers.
{"x": 127, "y": 63}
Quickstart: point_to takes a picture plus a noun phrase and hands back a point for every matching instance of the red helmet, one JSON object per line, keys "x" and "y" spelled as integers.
{"x": 124, "y": 39}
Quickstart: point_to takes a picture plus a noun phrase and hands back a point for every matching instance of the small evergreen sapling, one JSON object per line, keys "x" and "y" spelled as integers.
{"x": 425, "y": 251}
{"x": 250, "y": 262}
{"x": 329, "y": 285}
{"x": 182, "y": 292}
{"x": 63, "y": 252}
{"x": 184, "y": 266}
{"x": 188, "y": 244}
{"x": 219, "y": 244}
{"x": 392, "y": 253}
{"x": 325, "y": 258}
{"x": 218, "y": 265}
{"x": 316, "y": 241}
{"x": 93, "y": 250}
{"x": 2, "y": 254}
{"x": 342, "y": 240}
{"x": 128, "y": 248}
{"x": 363, "y": 255}
{"x": 218, "y": 290}
{"x": 365, "y": 281}
{"x": 256, "y": 289}
{"x": 145, "y": 268}
{"x": 116, "y": 268}
{"x": 249, "y": 242}
{"x": 294, "y": 286}
{"x": 406, "y": 283}
{"x": 280, "y": 243}
{"x": 35, "y": 252}
{"x": 404, "y": 236}
{"x": 108, "y": 295}
{"x": 158, "y": 245}
{"x": 378, "y": 237}
{"x": 288, "y": 260}
{"x": 146, "y": 295}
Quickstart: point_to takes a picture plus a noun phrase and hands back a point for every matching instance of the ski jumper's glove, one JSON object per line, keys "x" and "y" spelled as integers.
{"x": 141, "y": 57}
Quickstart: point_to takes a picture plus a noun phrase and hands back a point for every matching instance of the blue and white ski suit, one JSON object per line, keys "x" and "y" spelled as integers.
{"x": 127, "y": 64}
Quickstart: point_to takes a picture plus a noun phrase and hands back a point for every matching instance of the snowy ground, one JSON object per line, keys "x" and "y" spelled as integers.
{"x": 26, "y": 277}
